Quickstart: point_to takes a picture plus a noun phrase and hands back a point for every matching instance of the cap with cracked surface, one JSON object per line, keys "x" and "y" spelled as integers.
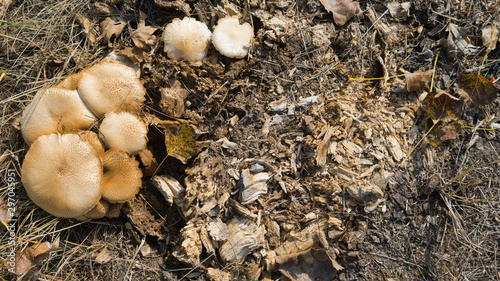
{"x": 54, "y": 110}
{"x": 111, "y": 86}
{"x": 62, "y": 174}
{"x": 122, "y": 177}
{"x": 186, "y": 39}
{"x": 231, "y": 38}
{"x": 94, "y": 141}
{"x": 124, "y": 131}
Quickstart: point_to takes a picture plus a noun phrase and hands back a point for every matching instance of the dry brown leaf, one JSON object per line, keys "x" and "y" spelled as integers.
{"x": 29, "y": 257}
{"x": 134, "y": 54}
{"x": 310, "y": 265}
{"x": 455, "y": 45}
{"x": 105, "y": 9}
{"x": 441, "y": 106}
{"x": 342, "y": 10}
{"x": 399, "y": 10}
{"x": 143, "y": 35}
{"x": 418, "y": 81}
{"x": 112, "y": 26}
{"x": 480, "y": 90}
{"x": 86, "y": 28}
{"x": 490, "y": 35}
{"x": 444, "y": 110}
{"x": 104, "y": 256}
{"x": 148, "y": 161}
{"x": 172, "y": 100}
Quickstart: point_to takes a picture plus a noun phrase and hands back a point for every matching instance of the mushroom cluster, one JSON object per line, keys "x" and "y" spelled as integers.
{"x": 67, "y": 170}
{"x": 189, "y": 39}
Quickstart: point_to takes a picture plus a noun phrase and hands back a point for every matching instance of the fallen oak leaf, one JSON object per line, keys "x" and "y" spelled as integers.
{"x": 342, "y": 10}
{"x": 26, "y": 259}
{"x": 441, "y": 106}
{"x": 480, "y": 90}
{"x": 444, "y": 110}
{"x": 180, "y": 142}
{"x": 111, "y": 26}
{"x": 87, "y": 29}
{"x": 418, "y": 81}
{"x": 143, "y": 35}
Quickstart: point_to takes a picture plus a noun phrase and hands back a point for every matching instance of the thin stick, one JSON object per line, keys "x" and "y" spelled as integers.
{"x": 376, "y": 78}
{"x": 433, "y": 72}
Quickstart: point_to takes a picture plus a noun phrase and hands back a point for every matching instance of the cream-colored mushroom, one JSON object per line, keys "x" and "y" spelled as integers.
{"x": 186, "y": 39}
{"x": 231, "y": 38}
{"x": 111, "y": 86}
{"x": 124, "y": 131}
{"x": 122, "y": 177}
{"x": 63, "y": 175}
{"x": 54, "y": 110}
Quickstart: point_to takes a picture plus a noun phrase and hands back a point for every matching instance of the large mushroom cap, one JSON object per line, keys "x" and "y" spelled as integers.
{"x": 54, "y": 110}
{"x": 122, "y": 177}
{"x": 186, "y": 39}
{"x": 231, "y": 38}
{"x": 111, "y": 86}
{"x": 124, "y": 131}
{"x": 62, "y": 174}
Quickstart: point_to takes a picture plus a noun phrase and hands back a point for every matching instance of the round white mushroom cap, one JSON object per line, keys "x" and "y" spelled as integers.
{"x": 62, "y": 174}
{"x": 186, "y": 39}
{"x": 231, "y": 38}
{"x": 124, "y": 131}
{"x": 111, "y": 86}
{"x": 54, "y": 110}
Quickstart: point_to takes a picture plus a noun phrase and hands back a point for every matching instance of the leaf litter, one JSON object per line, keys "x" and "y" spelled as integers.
{"x": 351, "y": 137}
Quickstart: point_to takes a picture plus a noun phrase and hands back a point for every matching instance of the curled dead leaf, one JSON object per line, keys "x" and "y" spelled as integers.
{"x": 444, "y": 110}
{"x": 143, "y": 36}
{"x": 342, "y": 10}
{"x": 490, "y": 36}
{"x": 439, "y": 106}
{"x": 455, "y": 45}
{"x": 313, "y": 264}
{"x": 29, "y": 257}
{"x": 105, "y": 9}
{"x": 399, "y": 10}
{"x": 111, "y": 26}
{"x": 87, "y": 29}
{"x": 418, "y": 81}
{"x": 480, "y": 90}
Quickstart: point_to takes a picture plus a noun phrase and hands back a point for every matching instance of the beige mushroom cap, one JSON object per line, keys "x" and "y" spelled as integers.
{"x": 122, "y": 177}
{"x": 124, "y": 131}
{"x": 111, "y": 86}
{"x": 62, "y": 174}
{"x": 94, "y": 141}
{"x": 231, "y": 38}
{"x": 54, "y": 110}
{"x": 70, "y": 82}
{"x": 186, "y": 39}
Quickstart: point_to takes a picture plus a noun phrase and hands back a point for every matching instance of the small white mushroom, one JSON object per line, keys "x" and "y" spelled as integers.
{"x": 186, "y": 39}
{"x": 231, "y": 38}
{"x": 124, "y": 131}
